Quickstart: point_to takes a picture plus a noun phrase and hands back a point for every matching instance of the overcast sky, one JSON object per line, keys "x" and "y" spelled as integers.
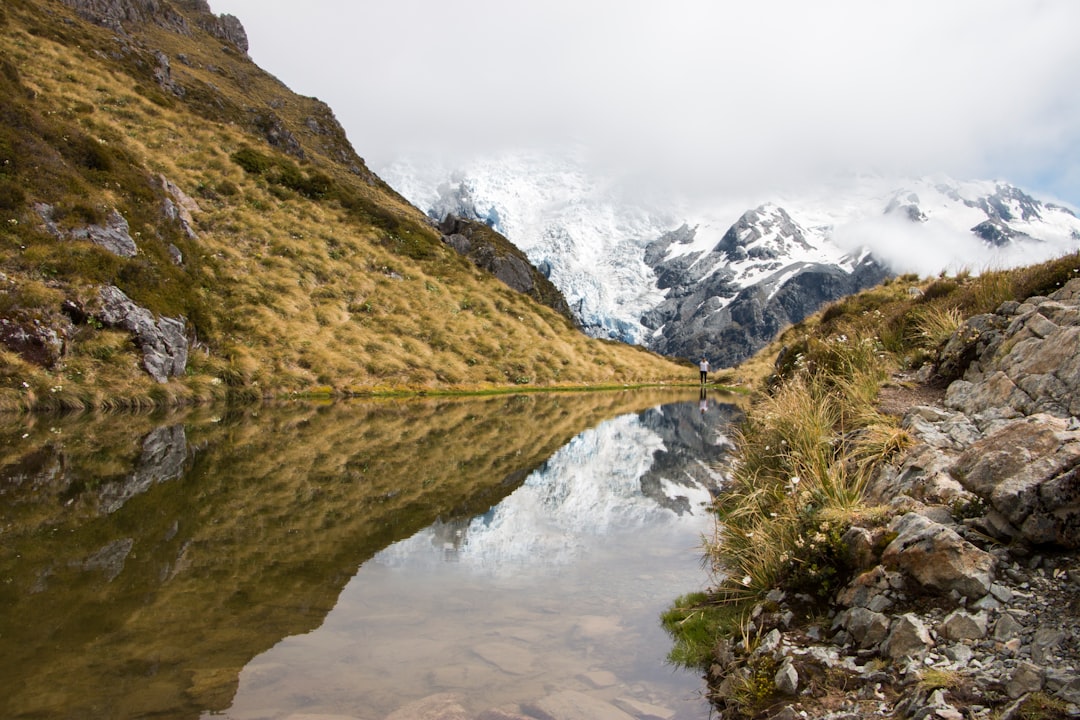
{"x": 702, "y": 96}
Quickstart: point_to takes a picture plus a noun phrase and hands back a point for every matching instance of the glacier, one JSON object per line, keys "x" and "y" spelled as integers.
{"x": 720, "y": 278}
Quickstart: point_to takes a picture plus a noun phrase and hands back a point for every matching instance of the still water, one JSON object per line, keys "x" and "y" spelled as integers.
{"x": 485, "y": 558}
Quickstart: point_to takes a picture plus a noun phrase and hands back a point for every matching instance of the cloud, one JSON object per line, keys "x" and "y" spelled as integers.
{"x": 934, "y": 247}
{"x": 705, "y": 97}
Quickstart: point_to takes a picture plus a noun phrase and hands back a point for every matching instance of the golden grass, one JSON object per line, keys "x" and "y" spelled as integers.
{"x": 292, "y": 293}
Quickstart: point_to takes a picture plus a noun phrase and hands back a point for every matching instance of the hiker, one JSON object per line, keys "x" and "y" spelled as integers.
{"x": 703, "y": 366}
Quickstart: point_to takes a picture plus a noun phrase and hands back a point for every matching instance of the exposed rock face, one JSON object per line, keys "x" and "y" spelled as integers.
{"x": 764, "y": 275}
{"x": 162, "y": 340}
{"x": 114, "y": 235}
{"x": 1027, "y": 359}
{"x": 938, "y": 558}
{"x": 491, "y": 252}
{"x": 1029, "y": 470}
{"x": 179, "y": 206}
{"x": 114, "y": 14}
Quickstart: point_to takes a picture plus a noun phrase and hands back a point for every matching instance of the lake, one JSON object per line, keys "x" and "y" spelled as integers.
{"x": 497, "y": 558}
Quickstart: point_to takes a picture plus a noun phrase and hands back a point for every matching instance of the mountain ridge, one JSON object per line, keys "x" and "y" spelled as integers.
{"x": 663, "y": 263}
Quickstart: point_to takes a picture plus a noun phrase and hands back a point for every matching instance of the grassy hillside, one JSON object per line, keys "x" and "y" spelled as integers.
{"x": 299, "y": 269}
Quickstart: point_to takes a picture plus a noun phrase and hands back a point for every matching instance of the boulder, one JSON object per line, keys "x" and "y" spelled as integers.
{"x": 786, "y": 679}
{"x": 937, "y": 557}
{"x": 866, "y": 627}
{"x": 162, "y": 340}
{"x": 114, "y": 235}
{"x": 573, "y": 705}
{"x": 908, "y": 638}
{"x": 961, "y": 625}
{"x": 1029, "y": 471}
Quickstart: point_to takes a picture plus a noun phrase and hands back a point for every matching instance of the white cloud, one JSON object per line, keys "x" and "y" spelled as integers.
{"x": 709, "y": 98}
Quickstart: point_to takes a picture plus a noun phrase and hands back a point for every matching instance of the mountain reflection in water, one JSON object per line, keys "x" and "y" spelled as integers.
{"x": 146, "y": 561}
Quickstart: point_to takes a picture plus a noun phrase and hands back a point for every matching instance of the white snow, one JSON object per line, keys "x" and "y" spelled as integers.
{"x": 592, "y": 237}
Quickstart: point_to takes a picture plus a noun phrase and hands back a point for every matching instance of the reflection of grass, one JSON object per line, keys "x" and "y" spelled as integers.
{"x": 276, "y": 510}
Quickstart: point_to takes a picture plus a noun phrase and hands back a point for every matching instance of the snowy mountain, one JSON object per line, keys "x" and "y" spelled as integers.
{"x": 634, "y": 471}
{"x": 721, "y": 279}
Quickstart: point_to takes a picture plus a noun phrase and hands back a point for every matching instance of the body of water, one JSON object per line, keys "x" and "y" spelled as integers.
{"x": 496, "y": 558}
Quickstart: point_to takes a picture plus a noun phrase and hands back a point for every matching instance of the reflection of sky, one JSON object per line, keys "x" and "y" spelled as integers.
{"x": 589, "y": 490}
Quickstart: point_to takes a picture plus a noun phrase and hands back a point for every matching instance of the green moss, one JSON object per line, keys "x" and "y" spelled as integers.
{"x": 694, "y": 622}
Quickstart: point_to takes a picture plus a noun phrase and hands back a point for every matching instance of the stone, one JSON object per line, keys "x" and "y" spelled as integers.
{"x": 1006, "y": 628}
{"x": 959, "y": 654}
{"x": 908, "y": 638}
{"x": 937, "y": 557}
{"x": 1028, "y": 471}
{"x": 599, "y": 678}
{"x": 643, "y": 710}
{"x": 511, "y": 659}
{"x": 961, "y": 625}
{"x": 769, "y": 643}
{"x": 786, "y": 679}
{"x": 859, "y": 545}
{"x": 179, "y": 206}
{"x": 443, "y": 706}
{"x": 162, "y": 340}
{"x": 864, "y": 588}
{"x": 573, "y": 705}
{"x": 787, "y": 713}
{"x": 1045, "y": 642}
{"x": 867, "y": 628}
{"x": 1026, "y": 678}
{"x": 114, "y": 235}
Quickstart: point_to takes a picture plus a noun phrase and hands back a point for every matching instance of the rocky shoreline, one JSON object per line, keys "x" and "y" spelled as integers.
{"x": 966, "y": 604}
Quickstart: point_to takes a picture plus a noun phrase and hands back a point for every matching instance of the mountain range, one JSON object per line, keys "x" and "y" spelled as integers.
{"x": 719, "y": 280}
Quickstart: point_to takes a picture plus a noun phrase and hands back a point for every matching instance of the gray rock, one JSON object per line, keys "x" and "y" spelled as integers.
{"x": 1028, "y": 470}
{"x": 769, "y": 643}
{"x": 179, "y": 207}
{"x": 114, "y": 235}
{"x": 961, "y": 625}
{"x": 1006, "y": 628}
{"x": 643, "y": 710}
{"x": 1026, "y": 678}
{"x": 908, "y": 638}
{"x": 162, "y": 340}
{"x": 572, "y": 705}
{"x": 937, "y": 557}
{"x": 444, "y": 706}
{"x": 1045, "y": 642}
{"x": 787, "y": 678}
{"x": 959, "y": 653}
{"x": 867, "y": 628}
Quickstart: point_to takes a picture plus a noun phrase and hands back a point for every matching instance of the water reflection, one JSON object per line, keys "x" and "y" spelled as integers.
{"x": 146, "y": 560}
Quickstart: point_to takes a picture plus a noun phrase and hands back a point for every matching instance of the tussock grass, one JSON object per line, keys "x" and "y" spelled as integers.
{"x": 307, "y": 272}
{"x": 814, "y": 437}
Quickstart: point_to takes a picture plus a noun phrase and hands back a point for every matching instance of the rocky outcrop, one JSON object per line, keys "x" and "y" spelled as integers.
{"x": 490, "y": 251}
{"x": 979, "y": 578}
{"x": 162, "y": 340}
{"x": 764, "y": 275}
{"x": 114, "y": 235}
{"x": 174, "y": 16}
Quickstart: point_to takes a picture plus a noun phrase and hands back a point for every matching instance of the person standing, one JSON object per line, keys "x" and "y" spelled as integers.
{"x": 703, "y": 366}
